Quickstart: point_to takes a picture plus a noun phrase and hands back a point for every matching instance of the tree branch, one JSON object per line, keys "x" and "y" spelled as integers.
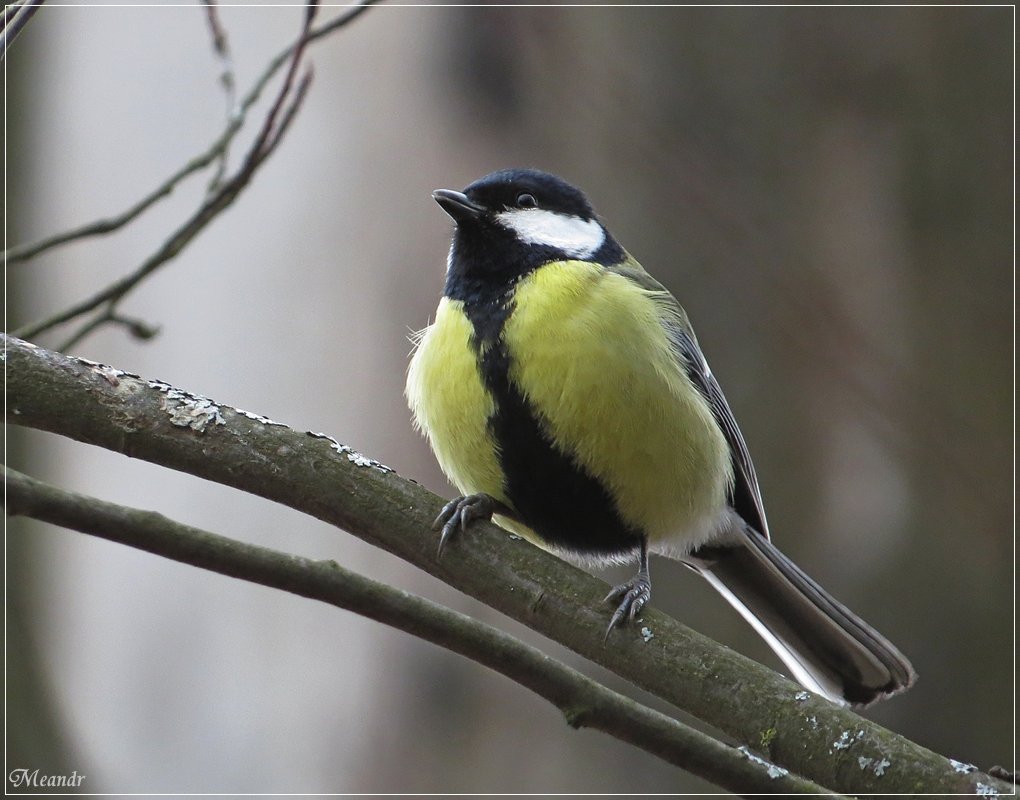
{"x": 806, "y": 734}
{"x": 584, "y": 703}
{"x": 221, "y": 47}
{"x": 221, "y": 193}
{"x": 216, "y": 152}
{"x": 269, "y": 136}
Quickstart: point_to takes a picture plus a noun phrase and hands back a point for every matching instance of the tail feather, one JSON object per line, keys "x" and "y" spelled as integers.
{"x": 827, "y": 647}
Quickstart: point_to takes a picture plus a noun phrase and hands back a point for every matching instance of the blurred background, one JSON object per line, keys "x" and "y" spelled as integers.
{"x": 827, "y": 190}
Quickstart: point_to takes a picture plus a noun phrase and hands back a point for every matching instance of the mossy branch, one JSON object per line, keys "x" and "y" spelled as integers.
{"x": 583, "y": 702}
{"x": 807, "y": 735}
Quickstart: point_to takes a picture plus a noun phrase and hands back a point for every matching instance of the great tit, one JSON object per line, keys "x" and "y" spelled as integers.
{"x": 564, "y": 393}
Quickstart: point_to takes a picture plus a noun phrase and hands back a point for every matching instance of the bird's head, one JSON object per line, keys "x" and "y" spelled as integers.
{"x": 513, "y": 221}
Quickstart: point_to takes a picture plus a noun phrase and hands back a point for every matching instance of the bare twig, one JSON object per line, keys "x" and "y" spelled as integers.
{"x": 221, "y": 47}
{"x": 139, "y": 329}
{"x": 25, "y": 252}
{"x": 808, "y": 735}
{"x": 267, "y": 138}
{"x": 265, "y": 142}
{"x": 15, "y": 17}
{"x": 584, "y": 703}
{"x": 215, "y": 152}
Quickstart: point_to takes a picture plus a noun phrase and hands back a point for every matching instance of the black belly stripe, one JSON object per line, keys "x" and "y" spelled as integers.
{"x": 560, "y": 501}
{"x": 555, "y": 497}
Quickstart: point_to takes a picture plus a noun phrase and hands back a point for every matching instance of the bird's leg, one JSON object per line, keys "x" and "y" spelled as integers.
{"x": 462, "y": 511}
{"x": 631, "y": 595}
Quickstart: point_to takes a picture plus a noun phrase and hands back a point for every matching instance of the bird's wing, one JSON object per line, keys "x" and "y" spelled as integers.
{"x": 745, "y": 495}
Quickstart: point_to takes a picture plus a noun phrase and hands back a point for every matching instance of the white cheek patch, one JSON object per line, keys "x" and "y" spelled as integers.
{"x": 576, "y": 237}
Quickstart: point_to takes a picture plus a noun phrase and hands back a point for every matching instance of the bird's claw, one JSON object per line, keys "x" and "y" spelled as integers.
{"x": 632, "y": 597}
{"x": 461, "y": 512}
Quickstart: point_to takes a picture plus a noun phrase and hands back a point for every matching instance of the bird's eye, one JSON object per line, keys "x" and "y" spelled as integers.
{"x": 525, "y": 200}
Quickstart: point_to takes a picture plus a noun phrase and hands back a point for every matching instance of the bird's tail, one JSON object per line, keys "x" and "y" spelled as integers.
{"x": 827, "y": 647}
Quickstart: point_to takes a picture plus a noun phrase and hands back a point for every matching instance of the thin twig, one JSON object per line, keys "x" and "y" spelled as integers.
{"x": 216, "y": 152}
{"x": 584, "y": 703}
{"x": 25, "y": 252}
{"x": 221, "y": 47}
{"x": 95, "y": 323}
{"x": 266, "y": 139}
{"x": 139, "y": 329}
{"x": 265, "y": 143}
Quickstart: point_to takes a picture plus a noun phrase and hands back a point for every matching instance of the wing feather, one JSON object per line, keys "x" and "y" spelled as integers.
{"x": 745, "y": 495}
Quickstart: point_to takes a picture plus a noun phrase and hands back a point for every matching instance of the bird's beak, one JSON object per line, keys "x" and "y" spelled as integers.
{"x": 457, "y": 205}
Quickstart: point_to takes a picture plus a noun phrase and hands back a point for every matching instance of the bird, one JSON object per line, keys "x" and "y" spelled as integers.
{"x": 564, "y": 393}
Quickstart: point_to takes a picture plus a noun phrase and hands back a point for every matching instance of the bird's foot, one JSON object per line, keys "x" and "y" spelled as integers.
{"x": 462, "y": 511}
{"x": 632, "y": 597}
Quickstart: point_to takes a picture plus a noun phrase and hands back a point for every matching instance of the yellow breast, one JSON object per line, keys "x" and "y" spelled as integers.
{"x": 451, "y": 405}
{"x": 589, "y": 353}
{"x": 592, "y": 357}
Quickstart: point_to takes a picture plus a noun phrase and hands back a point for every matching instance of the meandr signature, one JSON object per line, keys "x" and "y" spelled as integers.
{"x": 34, "y": 779}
